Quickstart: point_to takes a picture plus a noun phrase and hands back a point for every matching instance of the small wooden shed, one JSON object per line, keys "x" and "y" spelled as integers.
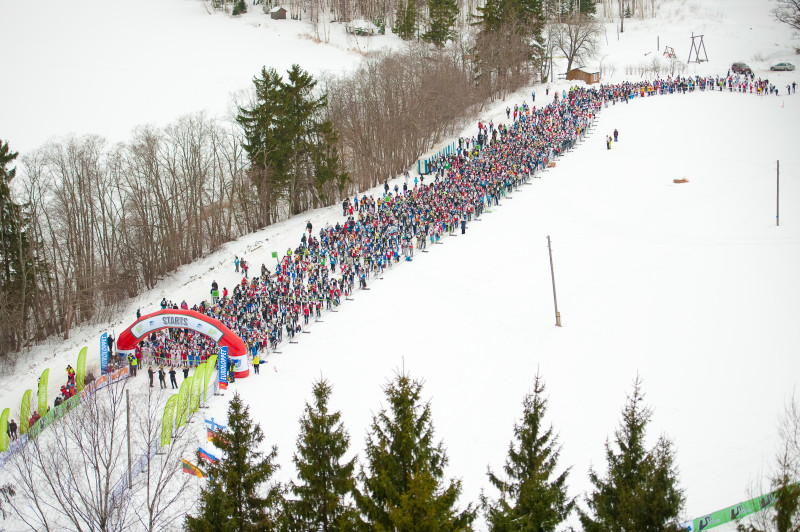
{"x": 277, "y": 13}
{"x": 580, "y": 74}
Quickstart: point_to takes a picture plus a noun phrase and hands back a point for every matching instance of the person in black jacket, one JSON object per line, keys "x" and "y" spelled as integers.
{"x": 172, "y": 378}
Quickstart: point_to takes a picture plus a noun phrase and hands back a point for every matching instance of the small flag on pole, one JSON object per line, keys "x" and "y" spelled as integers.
{"x": 213, "y": 425}
{"x": 190, "y": 468}
{"x": 206, "y": 455}
{"x": 274, "y": 254}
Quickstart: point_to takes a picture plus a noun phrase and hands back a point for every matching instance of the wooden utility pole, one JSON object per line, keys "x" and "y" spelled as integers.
{"x": 778, "y": 197}
{"x": 128, "y": 406}
{"x": 553, "y": 277}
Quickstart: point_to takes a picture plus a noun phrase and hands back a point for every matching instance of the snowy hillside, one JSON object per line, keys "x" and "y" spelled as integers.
{"x": 107, "y": 66}
{"x": 692, "y": 285}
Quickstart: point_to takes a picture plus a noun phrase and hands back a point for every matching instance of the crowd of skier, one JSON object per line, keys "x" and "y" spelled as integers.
{"x": 378, "y": 231}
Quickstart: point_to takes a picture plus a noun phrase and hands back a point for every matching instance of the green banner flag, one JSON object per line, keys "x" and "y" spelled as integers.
{"x": 80, "y": 371}
{"x": 732, "y": 513}
{"x": 166, "y": 421}
{"x": 4, "y": 430}
{"x": 274, "y": 254}
{"x": 183, "y": 403}
{"x": 43, "y": 392}
{"x": 211, "y": 363}
{"x": 25, "y": 412}
{"x": 197, "y": 387}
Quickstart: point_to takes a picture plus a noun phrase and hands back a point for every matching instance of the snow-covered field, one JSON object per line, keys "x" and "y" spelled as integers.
{"x": 691, "y": 286}
{"x": 107, "y": 66}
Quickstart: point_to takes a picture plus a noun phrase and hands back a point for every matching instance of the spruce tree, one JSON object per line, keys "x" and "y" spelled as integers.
{"x": 325, "y": 480}
{"x": 402, "y": 486}
{"x": 290, "y": 145}
{"x": 314, "y": 160}
{"x": 265, "y": 139}
{"x": 640, "y": 489}
{"x": 532, "y": 497}
{"x": 406, "y": 20}
{"x": 587, "y": 7}
{"x": 239, "y": 496}
{"x": 442, "y": 19}
{"x": 239, "y": 7}
{"x": 17, "y": 262}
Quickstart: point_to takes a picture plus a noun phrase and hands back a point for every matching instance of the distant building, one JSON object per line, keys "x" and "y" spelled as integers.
{"x": 277, "y": 13}
{"x": 361, "y": 27}
{"x": 580, "y": 74}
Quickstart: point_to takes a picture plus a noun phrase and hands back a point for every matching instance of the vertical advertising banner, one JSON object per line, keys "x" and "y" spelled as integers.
{"x": 104, "y": 353}
{"x": 223, "y": 368}
{"x": 4, "y": 430}
{"x": 43, "y": 392}
{"x": 25, "y": 412}
{"x": 197, "y": 387}
{"x": 183, "y": 402}
{"x": 210, "y": 363}
{"x": 166, "y": 421}
{"x": 80, "y": 370}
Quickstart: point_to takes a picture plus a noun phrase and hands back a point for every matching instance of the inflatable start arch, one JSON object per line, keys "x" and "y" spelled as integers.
{"x": 187, "y": 319}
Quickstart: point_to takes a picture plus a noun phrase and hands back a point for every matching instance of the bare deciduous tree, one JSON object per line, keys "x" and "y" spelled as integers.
{"x": 788, "y": 12}
{"x": 70, "y": 475}
{"x": 161, "y": 485}
{"x": 784, "y": 515}
{"x": 394, "y": 107}
{"x": 577, "y": 38}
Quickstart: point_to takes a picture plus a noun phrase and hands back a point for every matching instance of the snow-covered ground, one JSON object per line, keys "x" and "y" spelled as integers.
{"x": 107, "y": 66}
{"x": 692, "y": 285}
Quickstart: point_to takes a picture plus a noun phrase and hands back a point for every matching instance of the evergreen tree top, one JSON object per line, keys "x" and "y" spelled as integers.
{"x": 239, "y": 495}
{"x": 402, "y": 482}
{"x": 532, "y": 496}
{"x": 6, "y": 158}
{"x": 640, "y": 489}
{"x": 326, "y": 483}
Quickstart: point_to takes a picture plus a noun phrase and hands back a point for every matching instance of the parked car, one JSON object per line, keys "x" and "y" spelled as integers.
{"x": 782, "y": 66}
{"x": 741, "y": 68}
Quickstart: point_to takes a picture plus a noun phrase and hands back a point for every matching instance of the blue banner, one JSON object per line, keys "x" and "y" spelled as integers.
{"x": 223, "y": 367}
{"x": 104, "y": 353}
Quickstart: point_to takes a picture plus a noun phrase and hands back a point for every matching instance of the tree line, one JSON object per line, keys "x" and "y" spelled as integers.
{"x": 400, "y": 484}
{"x": 69, "y": 480}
